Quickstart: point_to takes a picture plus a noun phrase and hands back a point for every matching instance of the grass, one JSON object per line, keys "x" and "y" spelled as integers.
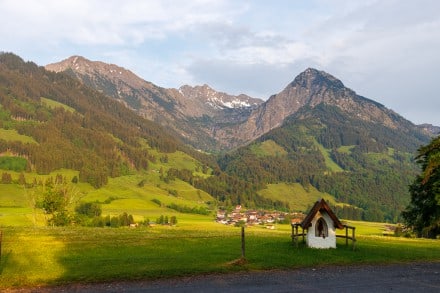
{"x": 345, "y": 149}
{"x": 13, "y": 135}
{"x": 127, "y": 195}
{"x": 331, "y": 165}
{"x": 299, "y": 198}
{"x": 54, "y": 104}
{"x": 48, "y": 256}
{"x": 36, "y": 255}
{"x": 268, "y": 148}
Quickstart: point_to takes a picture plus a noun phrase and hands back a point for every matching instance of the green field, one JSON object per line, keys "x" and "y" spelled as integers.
{"x": 13, "y": 135}
{"x": 331, "y": 165}
{"x": 54, "y": 104}
{"x": 299, "y": 198}
{"x": 126, "y": 195}
{"x": 268, "y": 148}
{"x": 33, "y": 254}
{"x": 49, "y": 256}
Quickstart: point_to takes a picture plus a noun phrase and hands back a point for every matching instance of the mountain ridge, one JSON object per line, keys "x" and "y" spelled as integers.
{"x": 311, "y": 88}
{"x": 211, "y": 120}
{"x": 186, "y": 111}
{"x": 321, "y": 134}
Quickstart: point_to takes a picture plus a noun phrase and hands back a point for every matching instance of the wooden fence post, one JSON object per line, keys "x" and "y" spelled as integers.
{"x": 353, "y": 235}
{"x": 243, "y": 254}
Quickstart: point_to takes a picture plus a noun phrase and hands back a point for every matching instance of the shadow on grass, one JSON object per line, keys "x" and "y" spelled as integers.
{"x": 4, "y": 260}
{"x": 101, "y": 254}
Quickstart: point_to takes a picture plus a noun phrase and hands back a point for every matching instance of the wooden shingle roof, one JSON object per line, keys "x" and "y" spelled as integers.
{"x": 320, "y": 206}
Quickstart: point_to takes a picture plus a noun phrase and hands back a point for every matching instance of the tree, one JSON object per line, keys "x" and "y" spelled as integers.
{"x": 89, "y": 209}
{"x": 173, "y": 220}
{"x": 53, "y": 204}
{"x": 423, "y": 212}
{"x": 6, "y": 178}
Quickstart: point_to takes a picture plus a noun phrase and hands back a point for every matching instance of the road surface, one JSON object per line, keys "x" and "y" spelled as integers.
{"x": 414, "y": 277}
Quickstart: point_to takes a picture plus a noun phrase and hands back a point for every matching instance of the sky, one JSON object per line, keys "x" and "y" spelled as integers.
{"x": 385, "y": 50}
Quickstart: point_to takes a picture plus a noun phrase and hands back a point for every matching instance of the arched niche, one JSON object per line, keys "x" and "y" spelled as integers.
{"x": 321, "y": 228}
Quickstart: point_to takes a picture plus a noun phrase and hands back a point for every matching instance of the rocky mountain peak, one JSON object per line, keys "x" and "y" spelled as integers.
{"x": 313, "y": 76}
{"x": 308, "y": 90}
{"x": 212, "y": 119}
{"x": 218, "y": 100}
{"x": 82, "y": 66}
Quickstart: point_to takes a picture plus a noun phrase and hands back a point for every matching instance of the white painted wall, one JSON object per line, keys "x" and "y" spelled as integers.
{"x": 320, "y": 242}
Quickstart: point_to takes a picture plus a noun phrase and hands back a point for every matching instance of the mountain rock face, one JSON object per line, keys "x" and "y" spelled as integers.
{"x": 319, "y": 133}
{"x": 212, "y": 120}
{"x": 430, "y": 129}
{"x": 212, "y": 99}
{"x": 309, "y": 89}
{"x": 189, "y": 111}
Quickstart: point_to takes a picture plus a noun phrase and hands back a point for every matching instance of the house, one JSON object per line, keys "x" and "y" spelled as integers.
{"x": 320, "y": 226}
{"x": 221, "y": 214}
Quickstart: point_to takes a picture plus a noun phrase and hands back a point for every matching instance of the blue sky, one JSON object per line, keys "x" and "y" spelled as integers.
{"x": 385, "y": 50}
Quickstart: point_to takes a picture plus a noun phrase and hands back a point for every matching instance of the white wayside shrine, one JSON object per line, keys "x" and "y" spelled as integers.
{"x": 319, "y": 227}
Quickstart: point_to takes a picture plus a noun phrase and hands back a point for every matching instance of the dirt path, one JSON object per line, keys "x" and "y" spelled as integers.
{"x": 415, "y": 277}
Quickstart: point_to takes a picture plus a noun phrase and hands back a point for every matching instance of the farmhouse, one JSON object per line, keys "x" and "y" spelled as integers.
{"x": 320, "y": 227}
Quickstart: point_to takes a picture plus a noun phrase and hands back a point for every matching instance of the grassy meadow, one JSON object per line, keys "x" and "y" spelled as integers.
{"x": 53, "y": 255}
{"x": 33, "y": 254}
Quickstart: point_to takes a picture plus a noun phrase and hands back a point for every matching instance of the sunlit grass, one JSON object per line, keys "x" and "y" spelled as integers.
{"x": 54, "y": 104}
{"x": 299, "y": 198}
{"x": 368, "y": 228}
{"x": 13, "y": 135}
{"x": 39, "y": 256}
{"x": 121, "y": 194}
{"x": 268, "y": 148}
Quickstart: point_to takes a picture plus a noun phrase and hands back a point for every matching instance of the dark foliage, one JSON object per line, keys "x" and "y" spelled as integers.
{"x": 423, "y": 212}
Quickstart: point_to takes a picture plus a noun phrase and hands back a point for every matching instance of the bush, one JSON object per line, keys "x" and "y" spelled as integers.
{"x": 89, "y": 209}
{"x": 164, "y": 220}
{"x": 6, "y": 178}
{"x": 60, "y": 219}
{"x": 13, "y": 163}
{"x": 122, "y": 220}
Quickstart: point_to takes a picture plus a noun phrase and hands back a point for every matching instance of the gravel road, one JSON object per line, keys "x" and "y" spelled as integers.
{"x": 414, "y": 277}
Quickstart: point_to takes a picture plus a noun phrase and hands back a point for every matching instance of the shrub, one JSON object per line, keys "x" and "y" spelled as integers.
{"x": 89, "y": 209}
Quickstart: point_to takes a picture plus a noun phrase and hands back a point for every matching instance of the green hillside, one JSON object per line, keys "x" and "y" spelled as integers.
{"x": 59, "y": 136}
{"x": 300, "y": 198}
{"x": 19, "y": 203}
{"x": 365, "y": 165}
{"x": 51, "y": 122}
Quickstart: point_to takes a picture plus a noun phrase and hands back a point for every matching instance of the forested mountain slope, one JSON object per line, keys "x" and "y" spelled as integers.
{"x": 72, "y": 126}
{"x": 335, "y": 140}
{"x": 51, "y": 121}
{"x": 316, "y": 133}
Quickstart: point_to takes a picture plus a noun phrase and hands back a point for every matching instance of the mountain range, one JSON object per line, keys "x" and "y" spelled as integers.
{"x": 105, "y": 121}
{"x": 192, "y": 113}
{"x": 216, "y": 121}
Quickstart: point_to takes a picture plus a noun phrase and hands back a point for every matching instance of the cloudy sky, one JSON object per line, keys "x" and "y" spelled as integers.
{"x": 386, "y": 50}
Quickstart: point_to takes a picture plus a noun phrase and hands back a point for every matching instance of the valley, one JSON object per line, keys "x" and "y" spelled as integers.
{"x": 128, "y": 139}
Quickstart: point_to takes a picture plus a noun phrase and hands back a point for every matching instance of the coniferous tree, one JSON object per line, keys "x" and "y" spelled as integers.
{"x": 423, "y": 212}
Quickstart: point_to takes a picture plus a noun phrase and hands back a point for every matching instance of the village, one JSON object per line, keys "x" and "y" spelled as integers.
{"x": 240, "y": 216}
